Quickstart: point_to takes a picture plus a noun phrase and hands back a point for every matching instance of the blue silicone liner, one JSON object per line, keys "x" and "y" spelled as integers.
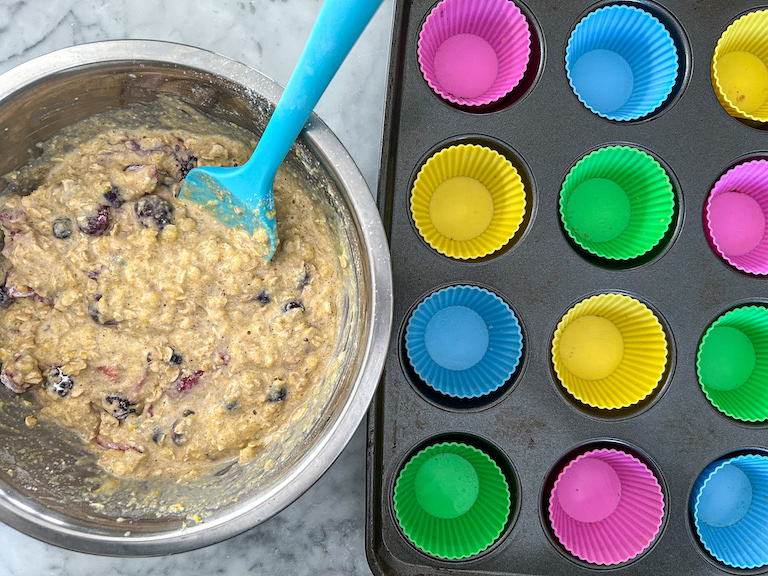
{"x": 729, "y": 504}
{"x": 621, "y": 62}
{"x": 464, "y": 341}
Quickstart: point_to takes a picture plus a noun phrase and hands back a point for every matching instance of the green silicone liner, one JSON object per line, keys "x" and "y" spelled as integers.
{"x": 467, "y": 534}
{"x": 748, "y": 402}
{"x": 649, "y": 192}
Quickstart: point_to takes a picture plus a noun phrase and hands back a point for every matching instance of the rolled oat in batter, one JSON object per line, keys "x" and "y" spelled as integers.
{"x": 146, "y": 326}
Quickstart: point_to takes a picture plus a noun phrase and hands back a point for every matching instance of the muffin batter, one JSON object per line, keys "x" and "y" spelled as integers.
{"x": 139, "y": 321}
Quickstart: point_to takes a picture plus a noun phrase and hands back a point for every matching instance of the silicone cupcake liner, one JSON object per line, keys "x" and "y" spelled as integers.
{"x": 617, "y": 203}
{"x": 729, "y": 505}
{"x": 609, "y": 351}
{"x": 621, "y": 62}
{"x": 464, "y": 341}
{"x": 740, "y": 67}
{"x": 732, "y": 364}
{"x": 468, "y": 201}
{"x": 452, "y": 500}
{"x": 736, "y": 213}
{"x": 606, "y": 507}
{"x": 474, "y": 52}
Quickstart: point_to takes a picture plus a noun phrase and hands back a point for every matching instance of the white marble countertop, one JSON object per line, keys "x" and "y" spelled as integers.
{"x": 323, "y": 531}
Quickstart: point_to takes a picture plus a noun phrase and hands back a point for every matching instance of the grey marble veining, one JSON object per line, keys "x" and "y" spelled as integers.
{"x": 322, "y": 532}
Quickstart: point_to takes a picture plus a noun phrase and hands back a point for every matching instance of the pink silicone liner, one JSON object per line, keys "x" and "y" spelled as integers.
{"x": 628, "y": 529}
{"x": 734, "y": 223}
{"x": 457, "y": 45}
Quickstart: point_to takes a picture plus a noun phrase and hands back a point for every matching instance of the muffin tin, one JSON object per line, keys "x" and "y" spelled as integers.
{"x": 543, "y": 438}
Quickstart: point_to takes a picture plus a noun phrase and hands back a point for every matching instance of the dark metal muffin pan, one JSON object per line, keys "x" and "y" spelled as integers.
{"x": 529, "y": 426}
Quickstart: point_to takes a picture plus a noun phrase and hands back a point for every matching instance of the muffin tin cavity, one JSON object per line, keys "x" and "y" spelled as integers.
{"x": 609, "y": 354}
{"x": 735, "y": 216}
{"x": 469, "y": 201}
{"x": 479, "y": 55}
{"x": 452, "y": 500}
{"x": 732, "y": 363}
{"x": 617, "y": 205}
{"x": 463, "y": 347}
{"x": 728, "y": 511}
{"x": 740, "y": 67}
{"x": 603, "y": 504}
{"x": 621, "y": 62}
{"x": 464, "y": 342}
{"x": 473, "y": 52}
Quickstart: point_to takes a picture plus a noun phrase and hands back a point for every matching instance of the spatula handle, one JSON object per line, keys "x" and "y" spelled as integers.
{"x": 337, "y": 28}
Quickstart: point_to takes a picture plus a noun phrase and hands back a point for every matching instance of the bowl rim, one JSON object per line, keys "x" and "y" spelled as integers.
{"x": 341, "y": 167}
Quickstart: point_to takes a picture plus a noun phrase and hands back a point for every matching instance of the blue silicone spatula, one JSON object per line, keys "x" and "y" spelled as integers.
{"x": 242, "y": 196}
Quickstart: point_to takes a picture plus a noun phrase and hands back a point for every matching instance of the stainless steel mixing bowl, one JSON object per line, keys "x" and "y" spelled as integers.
{"x": 50, "y": 487}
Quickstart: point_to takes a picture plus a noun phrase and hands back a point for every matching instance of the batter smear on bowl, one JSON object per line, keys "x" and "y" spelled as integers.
{"x": 136, "y": 319}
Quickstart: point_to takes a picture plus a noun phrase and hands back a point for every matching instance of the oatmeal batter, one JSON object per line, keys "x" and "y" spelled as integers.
{"x": 139, "y": 321}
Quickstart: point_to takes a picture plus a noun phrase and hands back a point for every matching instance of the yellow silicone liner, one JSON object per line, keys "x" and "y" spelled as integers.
{"x": 640, "y": 351}
{"x": 740, "y": 66}
{"x": 467, "y": 201}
